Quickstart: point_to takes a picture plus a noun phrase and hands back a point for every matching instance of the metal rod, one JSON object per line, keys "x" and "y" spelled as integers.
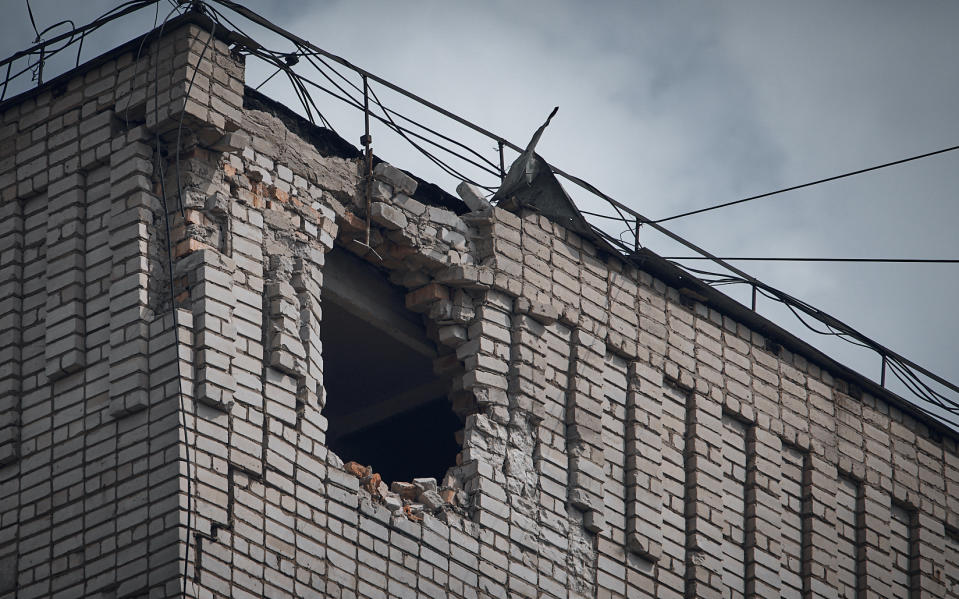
{"x": 367, "y": 141}
{"x": 80, "y": 48}
{"x": 882, "y": 380}
{"x": 636, "y": 236}
{"x": 6, "y": 80}
{"x": 754, "y": 298}
{"x": 40, "y": 67}
{"x": 502, "y": 163}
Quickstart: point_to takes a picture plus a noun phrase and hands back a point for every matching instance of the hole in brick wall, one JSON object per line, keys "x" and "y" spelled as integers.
{"x": 386, "y": 407}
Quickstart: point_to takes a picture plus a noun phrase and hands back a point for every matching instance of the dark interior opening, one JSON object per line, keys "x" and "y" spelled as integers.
{"x": 385, "y": 405}
{"x": 407, "y": 446}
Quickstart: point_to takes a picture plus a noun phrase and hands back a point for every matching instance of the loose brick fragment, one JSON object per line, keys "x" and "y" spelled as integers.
{"x": 411, "y": 514}
{"x": 398, "y": 179}
{"x": 405, "y": 490}
{"x": 388, "y": 216}
{"x": 431, "y": 500}
{"x": 544, "y": 313}
{"x": 372, "y": 484}
{"x": 356, "y": 469}
{"x": 425, "y": 484}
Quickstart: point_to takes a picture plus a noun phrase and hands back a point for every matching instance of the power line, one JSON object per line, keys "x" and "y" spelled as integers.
{"x": 910, "y": 370}
{"x": 795, "y": 187}
{"x": 833, "y": 325}
{"x": 796, "y": 259}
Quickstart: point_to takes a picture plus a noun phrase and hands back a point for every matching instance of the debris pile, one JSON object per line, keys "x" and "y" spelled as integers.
{"x": 411, "y": 499}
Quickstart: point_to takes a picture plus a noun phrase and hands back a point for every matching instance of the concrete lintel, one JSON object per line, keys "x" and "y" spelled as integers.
{"x": 361, "y": 290}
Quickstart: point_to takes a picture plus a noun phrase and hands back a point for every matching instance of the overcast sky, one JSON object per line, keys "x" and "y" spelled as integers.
{"x": 670, "y": 106}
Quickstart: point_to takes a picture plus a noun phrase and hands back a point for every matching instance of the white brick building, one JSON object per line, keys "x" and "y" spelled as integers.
{"x": 598, "y": 427}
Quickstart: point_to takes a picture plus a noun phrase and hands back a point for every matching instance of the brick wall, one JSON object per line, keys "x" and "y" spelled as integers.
{"x": 619, "y": 439}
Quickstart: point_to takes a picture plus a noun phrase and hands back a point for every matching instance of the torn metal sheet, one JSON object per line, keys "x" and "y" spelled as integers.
{"x": 531, "y": 183}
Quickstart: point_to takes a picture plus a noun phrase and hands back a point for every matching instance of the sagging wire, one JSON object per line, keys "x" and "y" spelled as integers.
{"x": 349, "y": 99}
{"x": 284, "y": 61}
{"x": 391, "y": 123}
{"x": 936, "y": 397}
{"x": 908, "y": 379}
{"x": 45, "y": 54}
{"x": 399, "y": 130}
{"x": 265, "y": 81}
{"x": 902, "y": 371}
{"x": 830, "y": 330}
{"x": 311, "y": 55}
{"x": 43, "y": 47}
{"x": 844, "y": 332}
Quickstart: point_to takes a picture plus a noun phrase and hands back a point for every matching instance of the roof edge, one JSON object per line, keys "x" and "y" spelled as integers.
{"x": 675, "y": 276}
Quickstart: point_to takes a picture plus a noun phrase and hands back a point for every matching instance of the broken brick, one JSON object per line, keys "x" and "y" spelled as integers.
{"x": 188, "y": 246}
{"x": 388, "y": 216}
{"x": 350, "y": 222}
{"x": 409, "y": 513}
{"x": 356, "y": 469}
{"x": 280, "y": 195}
{"x": 405, "y": 490}
{"x": 431, "y": 500}
{"x": 425, "y": 484}
{"x": 393, "y": 501}
{"x": 419, "y": 300}
{"x": 372, "y": 484}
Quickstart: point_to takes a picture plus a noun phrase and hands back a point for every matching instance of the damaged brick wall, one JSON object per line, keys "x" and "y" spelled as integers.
{"x": 618, "y": 439}
{"x": 91, "y": 432}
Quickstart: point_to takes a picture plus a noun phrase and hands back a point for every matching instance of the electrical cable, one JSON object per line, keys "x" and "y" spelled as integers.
{"x": 795, "y": 259}
{"x": 257, "y": 88}
{"x": 43, "y": 47}
{"x": 598, "y": 215}
{"x": 834, "y": 327}
{"x": 402, "y": 131}
{"x": 299, "y": 83}
{"x": 311, "y": 55}
{"x": 449, "y": 170}
{"x": 32, "y": 21}
{"x": 810, "y": 184}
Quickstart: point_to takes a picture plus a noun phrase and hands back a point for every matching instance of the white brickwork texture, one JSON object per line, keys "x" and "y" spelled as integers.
{"x": 619, "y": 439}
